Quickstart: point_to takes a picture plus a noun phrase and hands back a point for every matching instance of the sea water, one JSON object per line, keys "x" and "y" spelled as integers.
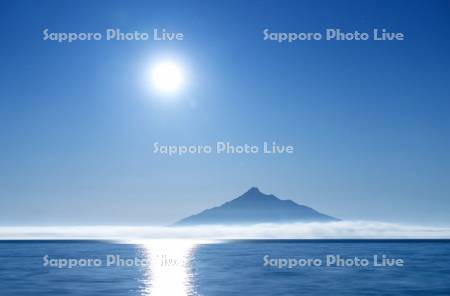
{"x": 249, "y": 267}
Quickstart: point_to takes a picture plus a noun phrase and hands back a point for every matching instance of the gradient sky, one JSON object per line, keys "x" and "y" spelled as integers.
{"x": 369, "y": 120}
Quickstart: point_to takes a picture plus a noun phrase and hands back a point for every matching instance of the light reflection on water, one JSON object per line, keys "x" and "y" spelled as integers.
{"x": 169, "y": 272}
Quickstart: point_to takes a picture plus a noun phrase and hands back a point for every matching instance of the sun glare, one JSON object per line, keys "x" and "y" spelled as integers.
{"x": 167, "y": 77}
{"x": 170, "y": 271}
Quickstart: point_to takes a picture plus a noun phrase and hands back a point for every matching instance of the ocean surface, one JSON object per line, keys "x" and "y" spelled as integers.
{"x": 240, "y": 267}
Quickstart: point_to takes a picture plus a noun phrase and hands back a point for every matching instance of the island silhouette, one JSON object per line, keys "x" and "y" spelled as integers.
{"x": 254, "y": 207}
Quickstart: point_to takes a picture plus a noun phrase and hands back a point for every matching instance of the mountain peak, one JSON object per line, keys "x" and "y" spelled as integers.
{"x": 253, "y": 195}
{"x": 254, "y": 207}
{"x": 253, "y": 190}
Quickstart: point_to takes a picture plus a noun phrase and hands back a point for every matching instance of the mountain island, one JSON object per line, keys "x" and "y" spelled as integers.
{"x": 255, "y": 207}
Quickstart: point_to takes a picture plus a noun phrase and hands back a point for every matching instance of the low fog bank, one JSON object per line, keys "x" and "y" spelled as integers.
{"x": 330, "y": 230}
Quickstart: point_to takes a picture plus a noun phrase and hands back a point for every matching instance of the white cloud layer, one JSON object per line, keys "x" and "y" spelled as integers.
{"x": 330, "y": 230}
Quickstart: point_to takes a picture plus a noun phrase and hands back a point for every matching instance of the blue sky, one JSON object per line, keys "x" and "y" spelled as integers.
{"x": 369, "y": 120}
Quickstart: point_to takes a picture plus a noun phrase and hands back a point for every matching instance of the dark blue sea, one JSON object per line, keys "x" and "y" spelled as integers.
{"x": 249, "y": 267}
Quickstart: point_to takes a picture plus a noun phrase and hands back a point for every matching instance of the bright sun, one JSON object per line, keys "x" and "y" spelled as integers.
{"x": 167, "y": 77}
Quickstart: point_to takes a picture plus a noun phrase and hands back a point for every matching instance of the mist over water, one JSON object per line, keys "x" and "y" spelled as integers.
{"x": 329, "y": 230}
